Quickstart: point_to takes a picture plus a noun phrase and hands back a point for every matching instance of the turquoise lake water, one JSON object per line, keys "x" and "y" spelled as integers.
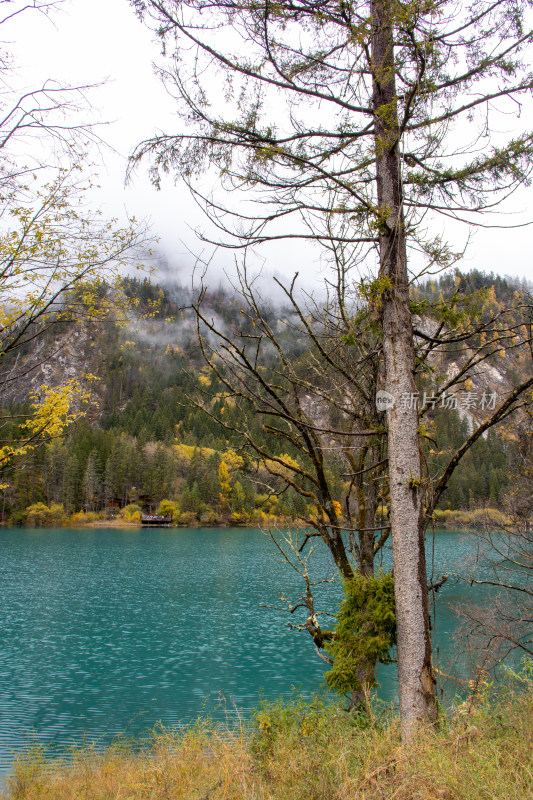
{"x": 107, "y": 632}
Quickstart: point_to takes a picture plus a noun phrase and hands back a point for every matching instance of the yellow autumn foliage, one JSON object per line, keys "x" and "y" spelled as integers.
{"x": 185, "y": 451}
{"x": 224, "y": 480}
{"x": 53, "y": 409}
{"x": 287, "y": 467}
{"x": 232, "y": 460}
{"x": 57, "y": 260}
{"x": 317, "y": 512}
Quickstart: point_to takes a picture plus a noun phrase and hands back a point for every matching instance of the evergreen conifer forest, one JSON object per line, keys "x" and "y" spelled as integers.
{"x": 149, "y": 438}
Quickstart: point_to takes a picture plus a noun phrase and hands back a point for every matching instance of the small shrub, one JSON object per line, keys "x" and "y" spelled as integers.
{"x": 26, "y": 773}
{"x": 208, "y": 517}
{"x": 131, "y": 512}
{"x": 168, "y": 508}
{"x": 187, "y": 519}
{"x": 239, "y": 518}
{"x": 83, "y": 518}
{"x": 40, "y": 515}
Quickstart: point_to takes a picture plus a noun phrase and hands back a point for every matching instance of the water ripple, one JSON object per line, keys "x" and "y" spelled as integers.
{"x": 108, "y": 632}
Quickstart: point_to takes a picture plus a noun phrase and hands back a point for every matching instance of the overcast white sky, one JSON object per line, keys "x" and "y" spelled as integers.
{"x": 88, "y": 41}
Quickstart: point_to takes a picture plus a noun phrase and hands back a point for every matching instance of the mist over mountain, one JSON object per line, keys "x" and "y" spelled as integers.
{"x": 145, "y": 438}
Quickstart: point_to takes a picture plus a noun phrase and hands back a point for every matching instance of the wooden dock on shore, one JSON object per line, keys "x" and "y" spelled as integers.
{"x": 155, "y": 521}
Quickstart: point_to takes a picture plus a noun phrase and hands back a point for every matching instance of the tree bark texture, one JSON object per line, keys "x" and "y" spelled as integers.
{"x": 416, "y": 679}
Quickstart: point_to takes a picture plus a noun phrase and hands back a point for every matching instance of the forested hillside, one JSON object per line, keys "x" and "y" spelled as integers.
{"x": 146, "y": 442}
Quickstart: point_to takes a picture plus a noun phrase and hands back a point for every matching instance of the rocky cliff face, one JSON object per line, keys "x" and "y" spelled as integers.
{"x": 73, "y": 350}
{"x": 53, "y": 359}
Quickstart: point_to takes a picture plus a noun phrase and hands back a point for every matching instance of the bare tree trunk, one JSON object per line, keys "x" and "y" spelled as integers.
{"x": 416, "y": 679}
{"x": 366, "y": 668}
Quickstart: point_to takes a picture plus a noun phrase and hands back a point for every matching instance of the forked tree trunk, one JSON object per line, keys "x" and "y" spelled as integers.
{"x": 416, "y": 678}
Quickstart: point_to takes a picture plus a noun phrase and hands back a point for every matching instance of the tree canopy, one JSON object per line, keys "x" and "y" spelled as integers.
{"x": 394, "y": 85}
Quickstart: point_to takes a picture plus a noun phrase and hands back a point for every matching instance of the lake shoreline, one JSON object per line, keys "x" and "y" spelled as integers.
{"x": 449, "y": 519}
{"x": 121, "y": 629}
{"x": 272, "y": 760}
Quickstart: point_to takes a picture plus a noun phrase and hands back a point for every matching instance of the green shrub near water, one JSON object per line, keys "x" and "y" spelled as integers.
{"x": 169, "y": 508}
{"x": 365, "y": 630}
{"x": 132, "y": 512}
{"x": 39, "y": 515}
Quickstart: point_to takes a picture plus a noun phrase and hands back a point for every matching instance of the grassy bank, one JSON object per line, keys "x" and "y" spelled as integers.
{"x": 301, "y": 752}
{"x": 472, "y": 520}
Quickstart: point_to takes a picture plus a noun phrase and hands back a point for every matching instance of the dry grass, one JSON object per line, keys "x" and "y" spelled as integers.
{"x": 300, "y": 752}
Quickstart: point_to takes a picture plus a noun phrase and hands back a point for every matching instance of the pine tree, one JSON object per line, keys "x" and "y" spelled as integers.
{"x": 92, "y": 484}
